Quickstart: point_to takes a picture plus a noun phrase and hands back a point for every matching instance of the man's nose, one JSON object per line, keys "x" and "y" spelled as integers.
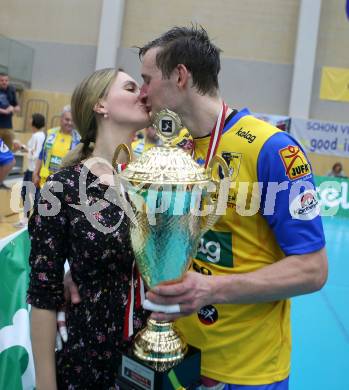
{"x": 143, "y": 94}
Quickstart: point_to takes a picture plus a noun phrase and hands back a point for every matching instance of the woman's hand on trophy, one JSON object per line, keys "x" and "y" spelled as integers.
{"x": 191, "y": 293}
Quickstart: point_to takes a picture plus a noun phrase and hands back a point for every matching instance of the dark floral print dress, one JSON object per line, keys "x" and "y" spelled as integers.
{"x": 101, "y": 266}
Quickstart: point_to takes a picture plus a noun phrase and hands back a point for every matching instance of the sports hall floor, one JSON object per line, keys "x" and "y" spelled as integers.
{"x": 320, "y": 321}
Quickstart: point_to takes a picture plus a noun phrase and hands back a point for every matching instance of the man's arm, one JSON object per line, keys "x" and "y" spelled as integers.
{"x": 14, "y": 103}
{"x": 43, "y": 332}
{"x": 294, "y": 275}
{"x": 7, "y": 111}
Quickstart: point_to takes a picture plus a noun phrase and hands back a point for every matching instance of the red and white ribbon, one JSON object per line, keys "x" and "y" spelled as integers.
{"x": 135, "y": 297}
{"x": 120, "y": 167}
{"x": 216, "y": 134}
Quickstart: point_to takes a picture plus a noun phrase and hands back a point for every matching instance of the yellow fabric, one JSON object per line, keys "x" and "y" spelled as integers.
{"x": 248, "y": 344}
{"x": 55, "y": 155}
{"x": 141, "y": 146}
{"x": 335, "y": 84}
{"x": 183, "y": 135}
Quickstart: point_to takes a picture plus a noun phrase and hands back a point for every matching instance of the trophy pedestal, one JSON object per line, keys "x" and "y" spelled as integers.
{"x": 137, "y": 374}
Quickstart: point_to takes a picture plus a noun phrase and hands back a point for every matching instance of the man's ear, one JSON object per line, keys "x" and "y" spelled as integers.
{"x": 183, "y": 75}
{"x": 99, "y": 108}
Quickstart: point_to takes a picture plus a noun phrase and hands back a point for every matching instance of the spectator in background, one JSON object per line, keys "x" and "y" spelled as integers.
{"x": 33, "y": 149}
{"x": 7, "y": 161}
{"x": 8, "y": 106}
{"x": 59, "y": 141}
{"x": 150, "y": 140}
{"x": 337, "y": 170}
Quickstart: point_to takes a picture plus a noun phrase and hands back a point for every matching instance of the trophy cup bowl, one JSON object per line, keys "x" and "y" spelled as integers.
{"x": 169, "y": 194}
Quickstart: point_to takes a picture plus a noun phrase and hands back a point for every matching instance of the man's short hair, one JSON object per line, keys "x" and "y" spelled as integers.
{"x": 191, "y": 47}
{"x": 3, "y": 74}
{"x": 66, "y": 108}
{"x": 38, "y": 121}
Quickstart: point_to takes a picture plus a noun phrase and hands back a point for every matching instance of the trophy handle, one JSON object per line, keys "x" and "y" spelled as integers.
{"x": 118, "y": 149}
{"x": 212, "y": 218}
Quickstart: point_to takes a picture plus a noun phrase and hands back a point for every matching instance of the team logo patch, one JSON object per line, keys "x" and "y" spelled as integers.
{"x": 233, "y": 160}
{"x": 305, "y": 206}
{"x": 295, "y": 162}
{"x": 208, "y": 315}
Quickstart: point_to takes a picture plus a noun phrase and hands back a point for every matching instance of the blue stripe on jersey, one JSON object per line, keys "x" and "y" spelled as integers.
{"x": 295, "y": 236}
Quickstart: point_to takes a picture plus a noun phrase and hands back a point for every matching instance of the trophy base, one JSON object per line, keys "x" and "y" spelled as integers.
{"x": 160, "y": 344}
{"x": 137, "y": 374}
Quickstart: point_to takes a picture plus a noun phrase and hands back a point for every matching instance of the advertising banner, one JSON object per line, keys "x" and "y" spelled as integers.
{"x": 16, "y": 360}
{"x": 322, "y": 137}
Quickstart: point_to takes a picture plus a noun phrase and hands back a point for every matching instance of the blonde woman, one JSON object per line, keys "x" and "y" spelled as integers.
{"x": 107, "y": 112}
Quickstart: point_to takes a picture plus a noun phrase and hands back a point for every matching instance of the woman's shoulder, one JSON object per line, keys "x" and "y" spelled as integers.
{"x": 67, "y": 175}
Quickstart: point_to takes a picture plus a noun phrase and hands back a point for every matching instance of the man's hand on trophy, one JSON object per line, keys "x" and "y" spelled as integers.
{"x": 71, "y": 294}
{"x": 192, "y": 293}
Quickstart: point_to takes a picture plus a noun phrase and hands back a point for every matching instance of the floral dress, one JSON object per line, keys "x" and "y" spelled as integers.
{"x": 68, "y": 226}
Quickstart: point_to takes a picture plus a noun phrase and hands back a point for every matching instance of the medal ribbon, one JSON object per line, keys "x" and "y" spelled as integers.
{"x": 216, "y": 134}
{"x": 135, "y": 295}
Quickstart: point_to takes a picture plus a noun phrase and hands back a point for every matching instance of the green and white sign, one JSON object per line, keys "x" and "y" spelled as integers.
{"x": 16, "y": 359}
{"x": 333, "y": 194}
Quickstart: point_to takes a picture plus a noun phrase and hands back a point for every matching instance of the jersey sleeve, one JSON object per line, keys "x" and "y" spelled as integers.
{"x": 289, "y": 201}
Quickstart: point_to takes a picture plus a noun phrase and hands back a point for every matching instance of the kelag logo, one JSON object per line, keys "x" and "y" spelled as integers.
{"x": 216, "y": 247}
{"x": 246, "y": 134}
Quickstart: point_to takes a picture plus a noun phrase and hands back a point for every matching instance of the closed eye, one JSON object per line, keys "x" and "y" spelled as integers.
{"x": 131, "y": 86}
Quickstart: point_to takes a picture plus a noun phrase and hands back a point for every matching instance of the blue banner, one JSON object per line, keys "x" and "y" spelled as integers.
{"x": 347, "y": 8}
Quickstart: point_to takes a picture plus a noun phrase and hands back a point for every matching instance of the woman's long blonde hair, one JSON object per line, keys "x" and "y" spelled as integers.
{"x": 85, "y": 96}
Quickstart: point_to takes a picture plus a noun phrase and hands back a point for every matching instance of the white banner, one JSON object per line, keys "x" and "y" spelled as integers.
{"x": 322, "y": 137}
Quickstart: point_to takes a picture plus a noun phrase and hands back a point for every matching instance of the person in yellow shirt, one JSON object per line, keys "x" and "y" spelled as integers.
{"x": 149, "y": 140}
{"x": 234, "y": 304}
{"x": 59, "y": 141}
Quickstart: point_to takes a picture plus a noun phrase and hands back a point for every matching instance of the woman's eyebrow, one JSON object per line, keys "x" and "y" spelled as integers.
{"x": 131, "y": 83}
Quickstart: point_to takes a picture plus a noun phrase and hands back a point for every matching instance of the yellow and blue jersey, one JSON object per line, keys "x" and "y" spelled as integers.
{"x": 272, "y": 212}
{"x": 56, "y": 146}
